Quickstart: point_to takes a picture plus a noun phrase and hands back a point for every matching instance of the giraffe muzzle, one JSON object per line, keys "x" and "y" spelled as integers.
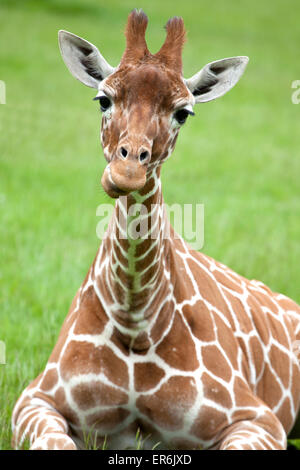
{"x": 121, "y": 177}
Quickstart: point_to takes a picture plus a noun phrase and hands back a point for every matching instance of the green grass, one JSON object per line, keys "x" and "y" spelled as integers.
{"x": 239, "y": 156}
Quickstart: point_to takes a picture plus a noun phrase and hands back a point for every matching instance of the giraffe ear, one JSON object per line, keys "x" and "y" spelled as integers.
{"x": 216, "y": 78}
{"x": 83, "y": 59}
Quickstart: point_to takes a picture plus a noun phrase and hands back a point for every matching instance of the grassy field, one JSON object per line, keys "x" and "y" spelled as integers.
{"x": 239, "y": 156}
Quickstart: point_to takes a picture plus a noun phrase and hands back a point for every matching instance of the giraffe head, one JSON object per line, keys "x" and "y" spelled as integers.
{"x": 145, "y": 100}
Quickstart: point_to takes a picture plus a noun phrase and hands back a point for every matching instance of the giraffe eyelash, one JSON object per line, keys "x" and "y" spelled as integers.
{"x": 181, "y": 115}
{"x": 105, "y": 102}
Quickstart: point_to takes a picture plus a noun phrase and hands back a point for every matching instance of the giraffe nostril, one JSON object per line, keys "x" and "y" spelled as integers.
{"x": 144, "y": 155}
{"x": 124, "y": 152}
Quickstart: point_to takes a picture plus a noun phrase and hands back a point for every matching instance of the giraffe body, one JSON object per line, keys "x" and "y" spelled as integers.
{"x": 160, "y": 337}
{"x": 189, "y": 388}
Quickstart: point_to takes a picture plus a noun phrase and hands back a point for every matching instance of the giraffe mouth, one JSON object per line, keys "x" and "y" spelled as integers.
{"x": 110, "y": 187}
{"x": 115, "y": 185}
{"x": 115, "y": 192}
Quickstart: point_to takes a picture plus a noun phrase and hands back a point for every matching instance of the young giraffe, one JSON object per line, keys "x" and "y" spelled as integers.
{"x": 160, "y": 337}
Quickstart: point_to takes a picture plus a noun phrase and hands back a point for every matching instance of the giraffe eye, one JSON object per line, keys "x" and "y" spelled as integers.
{"x": 105, "y": 103}
{"x": 182, "y": 114}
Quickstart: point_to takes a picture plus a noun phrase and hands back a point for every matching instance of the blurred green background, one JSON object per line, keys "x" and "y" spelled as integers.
{"x": 239, "y": 157}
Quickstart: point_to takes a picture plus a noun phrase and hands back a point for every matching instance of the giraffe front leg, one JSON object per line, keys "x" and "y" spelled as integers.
{"x": 264, "y": 432}
{"x": 37, "y": 421}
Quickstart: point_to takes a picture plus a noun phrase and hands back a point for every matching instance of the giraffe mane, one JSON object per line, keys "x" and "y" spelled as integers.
{"x": 170, "y": 54}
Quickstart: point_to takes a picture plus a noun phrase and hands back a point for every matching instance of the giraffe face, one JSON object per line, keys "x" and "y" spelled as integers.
{"x": 143, "y": 109}
{"x": 145, "y": 99}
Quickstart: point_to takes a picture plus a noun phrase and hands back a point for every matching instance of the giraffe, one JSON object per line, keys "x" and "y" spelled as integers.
{"x": 160, "y": 337}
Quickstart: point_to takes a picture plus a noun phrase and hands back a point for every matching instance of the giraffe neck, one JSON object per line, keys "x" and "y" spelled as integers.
{"x": 136, "y": 265}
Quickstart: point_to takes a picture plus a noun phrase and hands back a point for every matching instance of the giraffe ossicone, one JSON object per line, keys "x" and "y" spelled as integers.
{"x": 159, "y": 337}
